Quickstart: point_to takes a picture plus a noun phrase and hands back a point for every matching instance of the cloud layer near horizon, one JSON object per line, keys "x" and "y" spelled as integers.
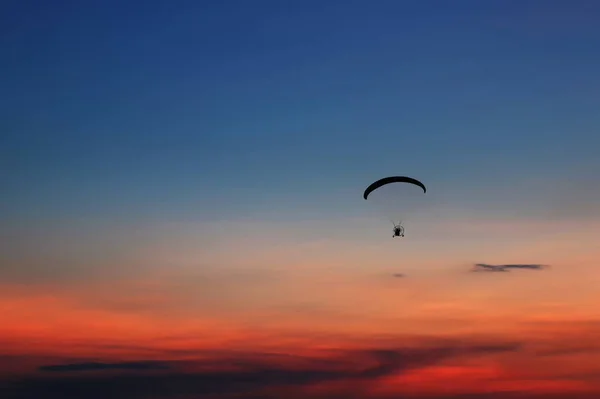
{"x": 442, "y": 367}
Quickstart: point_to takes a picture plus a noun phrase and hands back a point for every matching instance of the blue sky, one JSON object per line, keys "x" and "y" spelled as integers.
{"x": 227, "y": 109}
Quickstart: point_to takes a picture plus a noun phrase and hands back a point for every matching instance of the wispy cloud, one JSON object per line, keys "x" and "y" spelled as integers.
{"x": 315, "y": 372}
{"x": 93, "y": 366}
{"x": 237, "y": 374}
{"x": 484, "y": 267}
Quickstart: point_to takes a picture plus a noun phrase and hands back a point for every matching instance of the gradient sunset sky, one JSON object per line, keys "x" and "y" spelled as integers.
{"x": 182, "y": 212}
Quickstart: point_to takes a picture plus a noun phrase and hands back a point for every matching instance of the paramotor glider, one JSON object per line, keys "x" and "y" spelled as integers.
{"x": 396, "y": 199}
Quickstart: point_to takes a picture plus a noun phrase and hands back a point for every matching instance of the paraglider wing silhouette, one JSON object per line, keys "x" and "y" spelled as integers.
{"x": 392, "y": 179}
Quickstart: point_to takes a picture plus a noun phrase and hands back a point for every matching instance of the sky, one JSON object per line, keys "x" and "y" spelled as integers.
{"x": 182, "y": 211}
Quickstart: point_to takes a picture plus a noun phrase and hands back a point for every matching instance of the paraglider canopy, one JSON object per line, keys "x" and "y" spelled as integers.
{"x": 392, "y": 179}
